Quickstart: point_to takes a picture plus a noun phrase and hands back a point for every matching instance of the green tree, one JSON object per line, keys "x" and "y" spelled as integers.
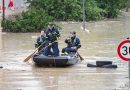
{"x": 59, "y": 9}
{"x": 112, "y": 7}
{"x": 40, "y": 12}
{"x": 127, "y": 5}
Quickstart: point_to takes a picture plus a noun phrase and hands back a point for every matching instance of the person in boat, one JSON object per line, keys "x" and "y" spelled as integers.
{"x": 52, "y": 36}
{"x": 41, "y": 40}
{"x": 73, "y": 44}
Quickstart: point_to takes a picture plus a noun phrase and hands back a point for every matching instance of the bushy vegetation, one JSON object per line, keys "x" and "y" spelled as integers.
{"x": 111, "y": 7}
{"x": 40, "y": 12}
{"x": 33, "y": 20}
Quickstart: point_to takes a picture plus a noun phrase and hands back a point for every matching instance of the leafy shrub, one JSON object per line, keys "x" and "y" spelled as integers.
{"x": 33, "y": 20}
{"x": 112, "y": 7}
{"x": 40, "y": 12}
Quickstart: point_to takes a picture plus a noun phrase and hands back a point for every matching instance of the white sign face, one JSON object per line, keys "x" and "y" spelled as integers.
{"x": 125, "y": 50}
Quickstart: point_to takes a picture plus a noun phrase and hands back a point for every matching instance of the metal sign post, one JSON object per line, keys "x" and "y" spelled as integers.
{"x": 84, "y": 15}
{"x": 129, "y": 71}
{"x": 3, "y": 9}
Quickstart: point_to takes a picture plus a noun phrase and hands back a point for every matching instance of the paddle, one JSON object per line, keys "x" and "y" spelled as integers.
{"x": 80, "y": 56}
{"x": 27, "y": 58}
{"x": 36, "y": 50}
{"x": 47, "y": 46}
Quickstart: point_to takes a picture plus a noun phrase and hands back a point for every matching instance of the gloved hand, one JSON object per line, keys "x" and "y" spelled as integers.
{"x": 40, "y": 42}
{"x": 68, "y": 39}
{"x": 50, "y": 44}
{"x": 36, "y": 45}
{"x": 74, "y": 48}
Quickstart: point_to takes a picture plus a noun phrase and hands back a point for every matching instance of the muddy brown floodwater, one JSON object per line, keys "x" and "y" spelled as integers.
{"x": 100, "y": 44}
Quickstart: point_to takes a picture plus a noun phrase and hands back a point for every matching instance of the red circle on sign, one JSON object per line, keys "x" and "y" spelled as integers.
{"x": 118, "y": 50}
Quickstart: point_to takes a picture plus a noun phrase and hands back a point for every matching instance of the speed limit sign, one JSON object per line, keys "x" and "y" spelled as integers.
{"x": 123, "y": 50}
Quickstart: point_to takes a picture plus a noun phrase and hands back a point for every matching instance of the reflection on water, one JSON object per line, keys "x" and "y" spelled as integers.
{"x": 100, "y": 44}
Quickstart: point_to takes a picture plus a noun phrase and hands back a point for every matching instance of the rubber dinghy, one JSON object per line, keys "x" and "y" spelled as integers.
{"x": 60, "y": 61}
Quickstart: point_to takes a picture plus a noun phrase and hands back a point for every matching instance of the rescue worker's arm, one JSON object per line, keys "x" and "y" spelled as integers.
{"x": 78, "y": 44}
{"x": 48, "y": 40}
{"x": 57, "y": 34}
{"x": 47, "y": 36}
{"x": 68, "y": 40}
{"x": 37, "y": 42}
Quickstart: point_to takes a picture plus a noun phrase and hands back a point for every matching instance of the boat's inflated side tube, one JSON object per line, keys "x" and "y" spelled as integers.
{"x": 59, "y": 61}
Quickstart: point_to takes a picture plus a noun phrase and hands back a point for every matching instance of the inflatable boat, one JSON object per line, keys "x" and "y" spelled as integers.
{"x": 59, "y": 61}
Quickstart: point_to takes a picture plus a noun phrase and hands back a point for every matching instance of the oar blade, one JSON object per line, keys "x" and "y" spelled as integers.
{"x": 25, "y": 60}
{"x": 81, "y": 58}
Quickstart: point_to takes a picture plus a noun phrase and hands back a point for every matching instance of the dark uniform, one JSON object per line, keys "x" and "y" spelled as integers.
{"x": 73, "y": 44}
{"x": 51, "y": 36}
{"x": 41, "y": 39}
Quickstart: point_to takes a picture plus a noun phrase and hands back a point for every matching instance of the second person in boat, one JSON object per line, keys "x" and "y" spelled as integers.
{"x": 52, "y": 36}
{"x": 41, "y": 40}
{"x": 73, "y": 44}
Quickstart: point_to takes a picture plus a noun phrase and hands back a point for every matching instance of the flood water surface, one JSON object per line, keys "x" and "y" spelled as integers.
{"x": 99, "y": 44}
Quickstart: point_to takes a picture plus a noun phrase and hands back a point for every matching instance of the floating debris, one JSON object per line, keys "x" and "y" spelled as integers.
{"x": 1, "y": 66}
{"x": 102, "y": 64}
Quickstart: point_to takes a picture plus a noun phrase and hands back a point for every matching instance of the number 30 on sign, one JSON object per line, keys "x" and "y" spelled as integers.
{"x": 123, "y": 50}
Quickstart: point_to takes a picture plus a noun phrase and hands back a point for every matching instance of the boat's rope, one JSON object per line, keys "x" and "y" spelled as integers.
{"x": 54, "y": 61}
